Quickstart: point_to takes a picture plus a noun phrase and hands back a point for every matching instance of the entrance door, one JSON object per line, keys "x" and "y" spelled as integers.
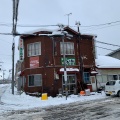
{"x": 93, "y": 82}
{"x": 71, "y": 83}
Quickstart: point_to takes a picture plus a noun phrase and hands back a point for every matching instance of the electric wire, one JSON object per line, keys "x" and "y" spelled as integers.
{"x": 87, "y": 26}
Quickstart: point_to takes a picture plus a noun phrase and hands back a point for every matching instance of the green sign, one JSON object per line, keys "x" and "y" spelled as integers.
{"x": 68, "y": 61}
{"x": 21, "y": 51}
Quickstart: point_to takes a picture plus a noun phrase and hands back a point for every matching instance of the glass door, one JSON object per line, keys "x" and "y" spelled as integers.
{"x": 71, "y": 83}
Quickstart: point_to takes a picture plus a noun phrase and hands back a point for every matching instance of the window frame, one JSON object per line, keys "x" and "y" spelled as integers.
{"x": 66, "y": 48}
{"x": 34, "y": 80}
{"x": 86, "y": 77}
{"x": 113, "y": 76}
{"x": 33, "y": 52}
{"x": 69, "y": 83}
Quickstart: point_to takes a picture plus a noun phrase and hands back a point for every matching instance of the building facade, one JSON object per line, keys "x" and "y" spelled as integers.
{"x": 48, "y": 54}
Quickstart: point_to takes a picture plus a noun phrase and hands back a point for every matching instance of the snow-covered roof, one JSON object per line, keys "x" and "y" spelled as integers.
{"x": 107, "y": 62}
{"x": 88, "y": 34}
{"x": 38, "y": 30}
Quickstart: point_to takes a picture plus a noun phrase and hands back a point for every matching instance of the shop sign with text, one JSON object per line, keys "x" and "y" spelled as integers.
{"x": 21, "y": 49}
{"x": 34, "y": 62}
{"x": 68, "y": 61}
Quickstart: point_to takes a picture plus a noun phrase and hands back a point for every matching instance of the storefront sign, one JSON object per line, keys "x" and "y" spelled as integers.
{"x": 34, "y": 62}
{"x": 68, "y": 61}
{"x": 21, "y": 49}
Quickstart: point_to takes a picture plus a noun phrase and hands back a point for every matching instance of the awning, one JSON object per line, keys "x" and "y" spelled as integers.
{"x": 69, "y": 70}
{"x": 18, "y": 73}
{"x": 94, "y": 72}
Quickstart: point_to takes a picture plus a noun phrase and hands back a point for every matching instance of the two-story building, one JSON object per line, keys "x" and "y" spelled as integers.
{"x": 44, "y": 53}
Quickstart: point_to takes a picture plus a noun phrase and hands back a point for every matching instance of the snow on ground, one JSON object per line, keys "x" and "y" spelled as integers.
{"x": 11, "y": 102}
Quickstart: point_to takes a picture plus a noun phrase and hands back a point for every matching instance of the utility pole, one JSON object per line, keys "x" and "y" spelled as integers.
{"x": 80, "y": 56}
{"x": 13, "y": 49}
{"x": 64, "y": 59}
{"x": 65, "y": 71}
{"x": 68, "y": 17}
{"x": 15, "y": 15}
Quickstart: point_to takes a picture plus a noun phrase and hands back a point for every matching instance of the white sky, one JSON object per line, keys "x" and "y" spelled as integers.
{"x": 46, "y": 12}
{"x": 11, "y": 102}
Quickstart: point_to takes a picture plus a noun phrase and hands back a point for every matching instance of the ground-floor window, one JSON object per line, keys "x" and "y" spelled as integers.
{"x": 113, "y": 77}
{"x": 86, "y": 77}
{"x": 35, "y": 80}
{"x": 71, "y": 83}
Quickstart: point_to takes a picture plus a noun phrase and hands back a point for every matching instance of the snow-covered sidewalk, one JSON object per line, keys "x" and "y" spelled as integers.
{"x": 19, "y": 102}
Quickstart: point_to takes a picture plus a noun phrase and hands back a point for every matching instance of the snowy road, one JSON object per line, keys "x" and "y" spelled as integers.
{"x": 104, "y": 109}
{"x": 2, "y": 90}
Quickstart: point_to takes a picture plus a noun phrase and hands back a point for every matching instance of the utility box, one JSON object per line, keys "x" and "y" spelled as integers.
{"x": 87, "y": 92}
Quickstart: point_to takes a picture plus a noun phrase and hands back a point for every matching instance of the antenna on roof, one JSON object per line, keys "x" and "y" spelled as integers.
{"x": 68, "y": 17}
{"x": 78, "y": 25}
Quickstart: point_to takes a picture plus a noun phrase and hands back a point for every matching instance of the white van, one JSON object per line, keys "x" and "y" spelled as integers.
{"x": 112, "y": 87}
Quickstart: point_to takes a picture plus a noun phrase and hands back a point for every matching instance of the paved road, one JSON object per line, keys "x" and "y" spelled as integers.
{"x": 104, "y": 109}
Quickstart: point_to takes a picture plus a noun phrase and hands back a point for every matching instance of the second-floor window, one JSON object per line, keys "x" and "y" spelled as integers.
{"x": 34, "y": 49}
{"x": 68, "y": 48}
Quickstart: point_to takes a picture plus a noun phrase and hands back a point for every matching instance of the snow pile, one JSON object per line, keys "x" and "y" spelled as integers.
{"x": 19, "y": 102}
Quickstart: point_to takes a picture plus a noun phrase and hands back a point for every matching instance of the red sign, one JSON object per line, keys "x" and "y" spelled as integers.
{"x": 34, "y": 62}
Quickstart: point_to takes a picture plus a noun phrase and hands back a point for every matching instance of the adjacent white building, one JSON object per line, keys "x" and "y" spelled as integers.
{"x": 108, "y": 68}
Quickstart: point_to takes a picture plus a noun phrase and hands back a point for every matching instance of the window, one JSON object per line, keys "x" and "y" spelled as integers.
{"x": 34, "y": 49}
{"x": 118, "y": 77}
{"x": 86, "y": 77}
{"x": 35, "y": 80}
{"x": 111, "y": 83}
{"x": 68, "y": 48}
{"x": 112, "y": 77}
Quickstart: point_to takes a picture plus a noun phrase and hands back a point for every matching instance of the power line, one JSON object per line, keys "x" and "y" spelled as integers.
{"x": 105, "y": 48}
{"x": 20, "y": 25}
{"x": 107, "y": 43}
{"x": 102, "y": 27}
{"x": 103, "y": 24}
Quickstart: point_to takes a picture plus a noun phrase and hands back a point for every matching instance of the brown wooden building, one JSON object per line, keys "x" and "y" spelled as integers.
{"x": 43, "y": 62}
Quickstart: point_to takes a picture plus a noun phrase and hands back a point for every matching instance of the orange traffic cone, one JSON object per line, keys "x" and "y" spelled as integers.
{"x": 82, "y": 93}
